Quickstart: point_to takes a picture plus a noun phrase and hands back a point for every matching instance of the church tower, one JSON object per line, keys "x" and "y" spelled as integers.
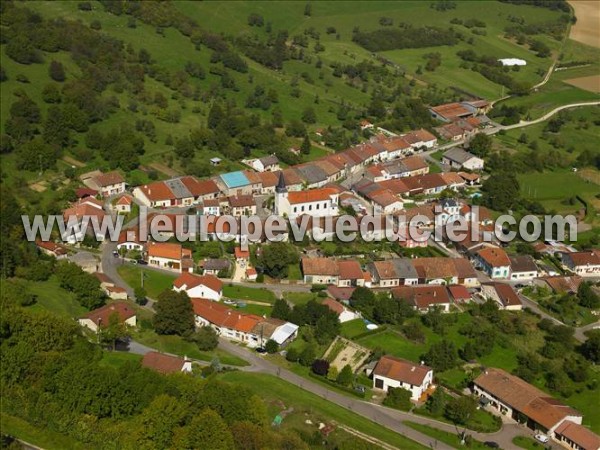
{"x": 281, "y": 194}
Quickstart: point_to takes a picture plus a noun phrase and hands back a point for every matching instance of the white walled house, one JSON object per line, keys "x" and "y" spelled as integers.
{"x": 457, "y": 158}
{"x": 523, "y": 268}
{"x": 391, "y": 372}
{"x": 320, "y": 202}
{"x": 503, "y": 294}
{"x": 199, "y": 286}
{"x": 344, "y": 314}
{"x": 494, "y": 262}
{"x": 111, "y": 183}
{"x": 129, "y": 240}
{"x": 165, "y": 255}
{"x": 166, "y": 364}
{"x": 584, "y": 264}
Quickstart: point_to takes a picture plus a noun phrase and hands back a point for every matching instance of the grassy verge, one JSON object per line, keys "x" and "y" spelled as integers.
{"x": 443, "y": 436}
{"x": 51, "y": 297}
{"x": 300, "y": 298}
{"x": 117, "y": 359}
{"x": 271, "y": 389}
{"x": 47, "y": 439}
{"x": 353, "y": 328}
{"x": 527, "y": 443}
{"x": 154, "y": 282}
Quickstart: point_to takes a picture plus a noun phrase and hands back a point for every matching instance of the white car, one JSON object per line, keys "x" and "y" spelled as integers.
{"x": 542, "y": 438}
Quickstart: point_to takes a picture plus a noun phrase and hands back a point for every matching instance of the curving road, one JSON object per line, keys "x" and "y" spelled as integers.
{"x": 548, "y": 115}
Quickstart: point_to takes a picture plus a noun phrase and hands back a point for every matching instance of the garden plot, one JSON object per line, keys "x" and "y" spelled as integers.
{"x": 342, "y": 352}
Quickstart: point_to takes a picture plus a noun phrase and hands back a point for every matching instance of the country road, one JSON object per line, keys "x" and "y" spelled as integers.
{"x": 548, "y": 115}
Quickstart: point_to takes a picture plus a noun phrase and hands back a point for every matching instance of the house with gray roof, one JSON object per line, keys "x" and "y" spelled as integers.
{"x": 314, "y": 176}
{"x": 458, "y": 158}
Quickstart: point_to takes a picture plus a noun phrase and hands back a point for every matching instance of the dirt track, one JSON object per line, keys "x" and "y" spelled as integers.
{"x": 586, "y": 30}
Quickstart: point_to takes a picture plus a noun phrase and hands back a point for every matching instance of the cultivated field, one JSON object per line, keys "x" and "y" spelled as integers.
{"x": 586, "y": 30}
{"x": 591, "y": 83}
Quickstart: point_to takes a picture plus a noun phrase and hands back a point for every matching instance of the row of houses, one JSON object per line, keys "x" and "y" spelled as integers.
{"x": 188, "y": 190}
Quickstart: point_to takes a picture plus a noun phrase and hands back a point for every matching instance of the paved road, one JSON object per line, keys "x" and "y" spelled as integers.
{"x": 389, "y": 418}
{"x": 548, "y": 115}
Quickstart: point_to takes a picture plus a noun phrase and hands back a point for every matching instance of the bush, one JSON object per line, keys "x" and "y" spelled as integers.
{"x": 320, "y": 367}
{"x": 272, "y": 346}
{"x": 292, "y": 355}
{"x": 398, "y": 398}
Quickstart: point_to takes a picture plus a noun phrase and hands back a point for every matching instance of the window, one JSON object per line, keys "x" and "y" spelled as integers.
{"x": 295, "y": 209}
{"x": 378, "y": 383}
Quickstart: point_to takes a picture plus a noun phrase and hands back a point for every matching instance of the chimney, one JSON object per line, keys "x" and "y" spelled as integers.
{"x": 412, "y": 369}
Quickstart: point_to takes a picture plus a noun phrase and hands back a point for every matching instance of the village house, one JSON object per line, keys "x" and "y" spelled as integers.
{"x": 576, "y": 437}
{"x": 242, "y": 205}
{"x": 560, "y": 284}
{"x": 457, "y": 158}
{"x": 440, "y": 270}
{"x": 110, "y": 183}
{"x": 180, "y": 192}
{"x": 312, "y": 174}
{"x": 241, "y": 256}
{"x": 268, "y": 163}
{"x": 215, "y": 266}
{"x": 199, "y": 286}
{"x": 424, "y": 298}
{"x": 210, "y": 207}
{"x": 392, "y": 372}
{"x": 123, "y": 204}
{"x": 108, "y": 286}
{"x": 393, "y": 272}
{"x": 494, "y": 262}
{"x": 251, "y": 274}
{"x": 249, "y": 329}
{"x": 129, "y": 240}
{"x": 88, "y": 210}
{"x": 166, "y": 364}
{"x": 503, "y": 294}
{"x": 268, "y": 182}
{"x": 350, "y": 274}
{"x": 320, "y": 202}
{"x": 170, "y": 256}
{"x": 451, "y": 112}
{"x": 344, "y": 314}
{"x": 51, "y": 249}
{"x": 523, "y": 268}
{"x": 98, "y": 318}
{"x": 519, "y": 400}
{"x": 320, "y": 270}
{"x": 365, "y": 125}
{"x": 585, "y": 264}
{"x": 460, "y": 294}
{"x": 384, "y": 202}
{"x": 420, "y": 138}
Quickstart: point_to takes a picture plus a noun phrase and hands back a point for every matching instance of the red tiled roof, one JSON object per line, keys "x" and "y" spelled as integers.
{"x": 350, "y": 270}
{"x": 334, "y": 306}
{"x": 320, "y": 266}
{"x": 162, "y": 363}
{"x": 51, "y": 247}
{"x": 459, "y": 292}
{"x": 507, "y": 294}
{"x": 222, "y": 316}
{"x": 165, "y": 250}
{"x": 200, "y": 187}
{"x": 125, "y": 200}
{"x": 190, "y": 281}
{"x": 157, "y": 191}
{"x": 494, "y": 256}
{"x": 584, "y": 438}
{"x": 85, "y": 192}
{"x": 108, "y": 179}
{"x": 451, "y": 110}
{"x": 268, "y": 179}
{"x": 401, "y": 370}
{"x": 102, "y": 315}
{"x": 239, "y": 253}
{"x": 312, "y": 195}
{"x": 242, "y": 201}
{"x": 422, "y": 296}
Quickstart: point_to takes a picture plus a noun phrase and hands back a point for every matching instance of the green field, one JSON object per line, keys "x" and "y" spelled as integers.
{"x": 118, "y": 359}
{"x": 353, "y": 328}
{"x": 443, "y": 436}
{"x": 271, "y": 388}
{"x": 248, "y": 293}
{"x": 527, "y": 443}
{"x": 155, "y": 282}
{"x": 300, "y": 298}
{"x": 52, "y": 297}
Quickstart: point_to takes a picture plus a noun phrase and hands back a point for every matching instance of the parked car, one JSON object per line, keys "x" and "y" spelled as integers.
{"x": 491, "y": 444}
{"x": 142, "y": 262}
{"x": 115, "y": 254}
{"x": 542, "y": 438}
{"x": 261, "y": 350}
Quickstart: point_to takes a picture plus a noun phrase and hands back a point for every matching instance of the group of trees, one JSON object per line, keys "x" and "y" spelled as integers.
{"x": 406, "y": 37}
{"x": 380, "y": 307}
{"x": 85, "y": 286}
{"x": 324, "y": 323}
{"x": 72, "y": 392}
{"x": 276, "y": 258}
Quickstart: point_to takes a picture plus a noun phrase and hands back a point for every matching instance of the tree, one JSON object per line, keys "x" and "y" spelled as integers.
{"x": 272, "y": 346}
{"x": 436, "y": 403}
{"x": 501, "y": 191}
{"x": 292, "y": 355}
{"x": 206, "y": 338}
{"x": 332, "y": 373}
{"x": 174, "y": 314}
{"x": 215, "y": 116}
{"x": 346, "y": 376}
{"x": 20, "y": 49}
{"x": 363, "y": 299}
{"x": 460, "y": 409}
{"x": 480, "y": 145}
{"x": 276, "y": 258}
{"x": 398, "y": 398}
{"x": 590, "y": 349}
{"x": 281, "y": 309}
{"x": 307, "y": 356}
{"x": 320, "y": 367}
{"x": 140, "y": 295}
{"x": 587, "y": 297}
{"x": 114, "y": 331}
{"x": 308, "y": 10}
{"x": 305, "y": 146}
{"x": 309, "y": 115}
{"x": 442, "y": 355}
{"x": 157, "y": 422}
{"x": 205, "y": 430}
{"x": 57, "y": 71}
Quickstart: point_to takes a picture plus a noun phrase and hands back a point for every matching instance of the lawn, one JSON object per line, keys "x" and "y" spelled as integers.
{"x": 248, "y": 293}
{"x": 178, "y": 346}
{"x": 271, "y": 388}
{"x": 155, "y": 282}
{"x": 52, "y": 297}
{"x": 117, "y": 359}
{"x": 43, "y": 438}
{"x": 294, "y": 272}
{"x": 353, "y": 328}
{"x": 259, "y": 310}
{"x": 300, "y": 298}
{"x": 527, "y": 443}
{"x": 443, "y": 436}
